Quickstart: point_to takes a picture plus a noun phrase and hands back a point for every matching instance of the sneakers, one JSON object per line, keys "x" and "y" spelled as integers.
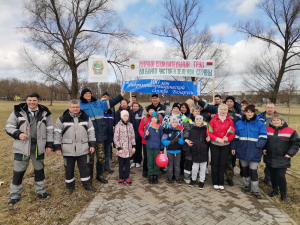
{"x": 207, "y": 171}
{"x": 45, "y": 195}
{"x": 192, "y": 183}
{"x": 201, "y": 185}
{"x": 90, "y": 188}
{"x": 221, "y": 187}
{"x": 216, "y": 187}
{"x": 121, "y": 181}
{"x": 178, "y": 182}
{"x": 230, "y": 182}
{"x": 132, "y": 165}
{"x": 12, "y": 202}
{"x": 127, "y": 182}
{"x": 69, "y": 191}
{"x": 137, "y": 165}
{"x": 168, "y": 181}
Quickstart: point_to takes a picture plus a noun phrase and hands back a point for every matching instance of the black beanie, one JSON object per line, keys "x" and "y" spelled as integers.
{"x": 85, "y": 90}
{"x": 230, "y": 98}
{"x": 151, "y": 107}
{"x": 105, "y": 93}
{"x": 176, "y": 105}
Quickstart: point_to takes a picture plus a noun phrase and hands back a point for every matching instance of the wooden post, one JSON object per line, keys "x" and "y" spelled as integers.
{"x": 130, "y": 93}
{"x": 213, "y": 91}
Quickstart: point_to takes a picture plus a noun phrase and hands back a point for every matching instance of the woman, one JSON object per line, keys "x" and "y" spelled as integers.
{"x": 250, "y": 138}
{"x": 144, "y": 122}
{"x": 220, "y": 136}
{"x": 137, "y": 112}
{"x": 185, "y": 109}
{"x": 174, "y": 112}
{"x": 124, "y": 106}
{"x": 283, "y": 143}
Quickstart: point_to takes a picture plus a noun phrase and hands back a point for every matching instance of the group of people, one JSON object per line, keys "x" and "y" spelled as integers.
{"x": 187, "y": 132}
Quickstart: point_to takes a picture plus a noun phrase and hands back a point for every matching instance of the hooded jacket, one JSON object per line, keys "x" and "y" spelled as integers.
{"x": 95, "y": 110}
{"x": 198, "y": 150}
{"x": 171, "y": 134}
{"x": 154, "y": 137}
{"x": 124, "y": 139}
{"x": 142, "y": 127}
{"x": 74, "y": 135}
{"x": 19, "y": 122}
{"x": 282, "y": 140}
{"x": 250, "y": 138}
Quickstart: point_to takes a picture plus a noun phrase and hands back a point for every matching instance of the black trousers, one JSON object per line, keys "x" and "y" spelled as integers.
{"x": 137, "y": 156}
{"x": 219, "y": 158}
{"x": 124, "y": 167}
{"x": 267, "y": 178}
{"x": 84, "y": 170}
{"x": 278, "y": 179}
{"x": 145, "y": 167}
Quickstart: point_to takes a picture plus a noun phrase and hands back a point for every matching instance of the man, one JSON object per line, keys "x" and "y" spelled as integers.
{"x": 95, "y": 109}
{"x": 162, "y": 110}
{"x": 218, "y": 100}
{"x": 265, "y": 117}
{"x": 109, "y": 119}
{"x": 244, "y": 104}
{"x": 234, "y": 111}
{"x": 32, "y": 128}
{"x": 133, "y": 100}
{"x": 74, "y": 138}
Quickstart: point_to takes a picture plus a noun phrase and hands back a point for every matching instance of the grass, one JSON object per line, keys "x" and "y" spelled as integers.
{"x": 61, "y": 209}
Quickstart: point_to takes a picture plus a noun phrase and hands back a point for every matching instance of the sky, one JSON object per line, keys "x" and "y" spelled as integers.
{"x": 139, "y": 16}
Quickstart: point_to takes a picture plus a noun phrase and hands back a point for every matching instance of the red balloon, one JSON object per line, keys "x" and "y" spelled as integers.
{"x": 162, "y": 160}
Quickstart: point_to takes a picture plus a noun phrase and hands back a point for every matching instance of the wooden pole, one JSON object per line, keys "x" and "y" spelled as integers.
{"x": 213, "y": 90}
{"x": 130, "y": 93}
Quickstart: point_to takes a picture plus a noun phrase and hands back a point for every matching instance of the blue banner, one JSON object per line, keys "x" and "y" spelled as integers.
{"x": 164, "y": 87}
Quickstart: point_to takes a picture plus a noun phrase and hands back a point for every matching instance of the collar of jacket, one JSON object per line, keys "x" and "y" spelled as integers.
{"x": 83, "y": 100}
{"x": 244, "y": 118}
{"x": 24, "y": 107}
{"x": 218, "y": 118}
{"x": 203, "y": 126}
{"x": 67, "y": 113}
{"x": 279, "y": 128}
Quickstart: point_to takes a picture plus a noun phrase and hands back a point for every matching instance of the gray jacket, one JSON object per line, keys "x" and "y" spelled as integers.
{"x": 19, "y": 122}
{"x": 74, "y": 135}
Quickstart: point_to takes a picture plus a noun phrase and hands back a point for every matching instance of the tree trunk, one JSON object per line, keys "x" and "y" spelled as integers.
{"x": 74, "y": 86}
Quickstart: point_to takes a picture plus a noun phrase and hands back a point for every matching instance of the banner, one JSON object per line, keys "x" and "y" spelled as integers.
{"x": 140, "y": 68}
{"x": 97, "y": 68}
{"x": 164, "y": 87}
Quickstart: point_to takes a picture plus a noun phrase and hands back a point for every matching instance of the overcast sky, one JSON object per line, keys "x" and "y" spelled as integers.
{"x": 141, "y": 15}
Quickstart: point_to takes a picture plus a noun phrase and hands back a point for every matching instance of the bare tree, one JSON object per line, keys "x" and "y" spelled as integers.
{"x": 283, "y": 33}
{"x": 68, "y": 33}
{"x": 180, "y": 25}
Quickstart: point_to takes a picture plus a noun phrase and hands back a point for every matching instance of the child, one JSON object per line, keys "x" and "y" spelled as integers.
{"x": 124, "y": 140}
{"x": 174, "y": 141}
{"x": 74, "y": 137}
{"x": 153, "y": 135}
{"x": 198, "y": 150}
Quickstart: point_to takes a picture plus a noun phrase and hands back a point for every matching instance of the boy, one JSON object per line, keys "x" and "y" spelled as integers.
{"x": 174, "y": 142}
{"x": 74, "y": 137}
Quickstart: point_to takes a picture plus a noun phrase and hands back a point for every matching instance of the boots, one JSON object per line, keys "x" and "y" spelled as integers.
{"x": 273, "y": 193}
{"x": 284, "y": 199}
{"x": 150, "y": 179}
{"x": 99, "y": 177}
{"x": 155, "y": 179}
{"x": 144, "y": 175}
{"x": 91, "y": 167}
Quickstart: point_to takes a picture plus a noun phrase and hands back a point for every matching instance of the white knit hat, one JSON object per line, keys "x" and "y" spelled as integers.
{"x": 123, "y": 113}
{"x": 174, "y": 119}
{"x": 199, "y": 117}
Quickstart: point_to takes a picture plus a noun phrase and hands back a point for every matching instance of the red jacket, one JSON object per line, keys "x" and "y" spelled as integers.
{"x": 142, "y": 127}
{"x": 220, "y": 129}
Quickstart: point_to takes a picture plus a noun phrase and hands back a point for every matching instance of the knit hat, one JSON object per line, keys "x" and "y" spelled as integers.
{"x": 154, "y": 114}
{"x": 176, "y": 105}
{"x": 123, "y": 113}
{"x": 151, "y": 107}
{"x": 199, "y": 117}
{"x": 230, "y": 98}
{"x": 85, "y": 90}
{"x": 105, "y": 93}
{"x": 173, "y": 119}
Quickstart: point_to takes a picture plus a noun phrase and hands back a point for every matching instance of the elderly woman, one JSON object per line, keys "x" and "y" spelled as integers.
{"x": 283, "y": 143}
{"x": 250, "y": 138}
{"x": 221, "y": 133}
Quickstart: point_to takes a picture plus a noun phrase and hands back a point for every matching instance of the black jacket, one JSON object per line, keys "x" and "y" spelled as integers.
{"x": 199, "y": 148}
{"x": 118, "y": 117}
{"x": 281, "y": 141}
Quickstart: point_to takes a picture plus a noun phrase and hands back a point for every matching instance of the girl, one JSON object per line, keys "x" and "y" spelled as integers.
{"x": 283, "y": 143}
{"x": 153, "y": 135}
{"x": 198, "y": 150}
{"x": 124, "y": 140}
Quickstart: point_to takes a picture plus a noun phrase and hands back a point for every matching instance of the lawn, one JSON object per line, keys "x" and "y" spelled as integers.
{"x": 61, "y": 209}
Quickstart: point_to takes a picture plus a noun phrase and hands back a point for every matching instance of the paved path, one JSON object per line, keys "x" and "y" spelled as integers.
{"x": 163, "y": 203}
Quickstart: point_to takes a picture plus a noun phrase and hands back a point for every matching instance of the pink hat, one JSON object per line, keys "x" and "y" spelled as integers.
{"x": 124, "y": 112}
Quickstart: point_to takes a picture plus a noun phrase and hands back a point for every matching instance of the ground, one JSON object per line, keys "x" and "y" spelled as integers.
{"x": 62, "y": 209}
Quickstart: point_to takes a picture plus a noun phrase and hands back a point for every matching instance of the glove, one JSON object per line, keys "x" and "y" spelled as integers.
{"x": 176, "y": 139}
{"x": 172, "y": 142}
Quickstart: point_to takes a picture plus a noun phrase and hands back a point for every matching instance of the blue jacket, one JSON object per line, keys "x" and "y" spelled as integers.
{"x": 138, "y": 117}
{"x": 169, "y": 135}
{"x": 95, "y": 110}
{"x": 250, "y": 138}
{"x": 154, "y": 137}
{"x": 213, "y": 109}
